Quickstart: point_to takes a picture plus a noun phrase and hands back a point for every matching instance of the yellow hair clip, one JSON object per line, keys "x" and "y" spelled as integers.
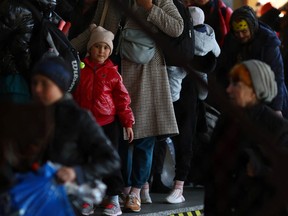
{"x": 240, "y": 26}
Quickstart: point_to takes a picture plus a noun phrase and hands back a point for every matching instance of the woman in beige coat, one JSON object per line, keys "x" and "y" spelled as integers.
{"x": 148, "y": 87}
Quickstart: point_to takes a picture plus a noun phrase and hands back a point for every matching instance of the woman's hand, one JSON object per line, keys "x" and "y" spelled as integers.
{"x": 130, "y": 134}
{"x": 66, "y": 174}
{"x": 146, "y": 4}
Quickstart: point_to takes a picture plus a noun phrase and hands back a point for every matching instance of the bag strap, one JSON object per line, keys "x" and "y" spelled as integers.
{"x": 104, "y": 13}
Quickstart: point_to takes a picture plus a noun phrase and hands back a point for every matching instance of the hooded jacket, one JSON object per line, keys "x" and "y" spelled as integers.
{"x": 205, "y": 42}
{"x": 264, "y": 46}
{"x": 102, "y": 91}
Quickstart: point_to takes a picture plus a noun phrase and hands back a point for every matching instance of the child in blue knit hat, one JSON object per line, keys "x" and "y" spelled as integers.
{"x": 79, "y": 144}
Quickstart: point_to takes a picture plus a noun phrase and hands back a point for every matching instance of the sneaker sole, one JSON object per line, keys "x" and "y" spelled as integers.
{"x": 146, "y": 201}
{"x": 118, "y": 213}
{"x": 89, "y": 213}
{"x": 181, "y": 200}
{"x": 130, "y": 210}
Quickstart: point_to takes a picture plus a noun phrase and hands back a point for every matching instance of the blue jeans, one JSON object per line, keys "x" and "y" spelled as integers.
{"x": 137, "y": 161}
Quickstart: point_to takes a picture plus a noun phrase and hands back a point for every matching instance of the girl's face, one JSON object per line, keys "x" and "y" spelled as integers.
{"x": 44, "y": 90}
{"x": 241, "y": 94}
{"x": 100, "y": 52}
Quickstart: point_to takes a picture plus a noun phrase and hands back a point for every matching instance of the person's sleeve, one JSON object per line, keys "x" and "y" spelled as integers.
{"x": 222, "y": 67}
{"x": 274, "y": 59}
{"x": 122, "y": 103}
{"x": 167, "y": 18}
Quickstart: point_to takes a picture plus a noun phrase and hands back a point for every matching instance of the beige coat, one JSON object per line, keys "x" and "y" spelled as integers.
{"x": 148, "y": 84}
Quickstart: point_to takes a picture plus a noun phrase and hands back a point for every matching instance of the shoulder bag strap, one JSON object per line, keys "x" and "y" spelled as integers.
{"x": 104, "y": 13}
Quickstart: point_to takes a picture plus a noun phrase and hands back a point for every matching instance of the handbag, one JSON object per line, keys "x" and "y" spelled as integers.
{"x": 136, "y": 46}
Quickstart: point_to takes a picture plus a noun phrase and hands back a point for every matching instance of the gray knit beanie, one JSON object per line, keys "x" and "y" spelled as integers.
{"x": 263, "y": 79}
{"x": 100, "y": 34}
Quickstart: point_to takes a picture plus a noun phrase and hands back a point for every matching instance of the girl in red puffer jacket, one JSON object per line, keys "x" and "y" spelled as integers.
{"x": 102, "y": 91}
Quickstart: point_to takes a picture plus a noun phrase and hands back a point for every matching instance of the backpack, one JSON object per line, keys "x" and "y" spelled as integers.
{"x": 180, "y": 50}
{"x": 49, "y": 40}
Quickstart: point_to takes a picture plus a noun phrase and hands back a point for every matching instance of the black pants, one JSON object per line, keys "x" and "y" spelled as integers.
{"x": 159, "y": 155}
{"x": 186, "y": 115}
{"x": 114, "y": 182}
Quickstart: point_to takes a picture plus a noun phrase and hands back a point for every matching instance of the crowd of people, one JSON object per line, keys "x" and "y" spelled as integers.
{"x": 114, "y": 126}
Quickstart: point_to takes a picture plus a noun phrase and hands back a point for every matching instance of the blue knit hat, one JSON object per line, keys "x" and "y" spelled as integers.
{"x": 56, "y": 69}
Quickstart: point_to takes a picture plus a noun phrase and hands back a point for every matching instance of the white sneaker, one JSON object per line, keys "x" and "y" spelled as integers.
{"x": 175, "y": 196}
{"x": 145, "y": 196}
{"x": 112, "y": 209}
{"x": 87, "y": 209}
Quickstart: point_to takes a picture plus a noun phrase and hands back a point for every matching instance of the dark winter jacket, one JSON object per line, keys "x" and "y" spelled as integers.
{"x": 101, "y": 90}
{"x": 257, "y": 136}
{"x": 81, "y": 143}
{"x": 17, "y": 30}
{"x": 265, "y": 46}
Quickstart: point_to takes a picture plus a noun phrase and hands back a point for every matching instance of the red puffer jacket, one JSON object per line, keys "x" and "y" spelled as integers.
{"x": 102, "y": 91}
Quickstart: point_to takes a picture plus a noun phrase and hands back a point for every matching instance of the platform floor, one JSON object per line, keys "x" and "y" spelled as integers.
{"x": 193, "y": 205}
